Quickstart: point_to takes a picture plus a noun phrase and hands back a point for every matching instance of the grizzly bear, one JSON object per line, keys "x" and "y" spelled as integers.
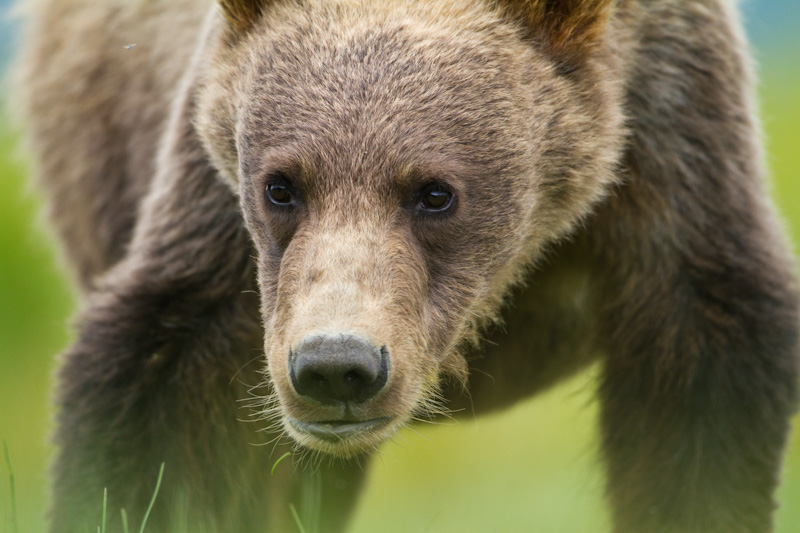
{"x": 323, "y": 207}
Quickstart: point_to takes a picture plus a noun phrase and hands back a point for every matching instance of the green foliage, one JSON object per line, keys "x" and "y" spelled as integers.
{"x": 296, "y": 517}
{"x": 102, "y": 527}
{"x": 124, "y": 518}
{"x": 12, "y": 489}
{"x": 153, "y": 499}
{"x": 275, "y": 465}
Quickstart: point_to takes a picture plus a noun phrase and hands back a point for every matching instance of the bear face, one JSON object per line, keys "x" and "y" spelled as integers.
{"x": 398, "y": 169}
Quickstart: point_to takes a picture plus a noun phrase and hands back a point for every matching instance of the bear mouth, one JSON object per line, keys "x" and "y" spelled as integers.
{"x": 338, "y": 431}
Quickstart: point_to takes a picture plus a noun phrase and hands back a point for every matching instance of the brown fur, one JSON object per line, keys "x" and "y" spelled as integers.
{"x": 241, "y": 14}
{"x": 568, "y": 28}
{"x": 607, "y": 177}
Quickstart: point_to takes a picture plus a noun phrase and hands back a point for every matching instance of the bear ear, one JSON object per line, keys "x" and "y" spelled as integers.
{"x": 242, "y": 14}
{"x": 567, "y": 27}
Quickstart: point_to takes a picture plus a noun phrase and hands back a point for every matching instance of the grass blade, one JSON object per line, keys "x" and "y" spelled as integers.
{"x": 281, "y": 458}
{"x": 105, "y": 505}
{"x": 311, "y": 491}
{"x": 14, "y": 528}
{"x": 124, "y": 521}
{"x": 296, "y": 518}
{"x": 153, "y": 499}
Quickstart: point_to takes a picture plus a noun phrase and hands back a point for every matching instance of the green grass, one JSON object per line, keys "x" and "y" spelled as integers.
{"x": 34, "y": 305}
{"x": 11, "y": 490}
{"x": 297, "y": 520}
{"x": 532, "y": 468}
{"x": 152, "y": 500}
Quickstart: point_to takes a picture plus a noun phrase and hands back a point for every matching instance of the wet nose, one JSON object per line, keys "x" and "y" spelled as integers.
{"x": 338, "y": 368}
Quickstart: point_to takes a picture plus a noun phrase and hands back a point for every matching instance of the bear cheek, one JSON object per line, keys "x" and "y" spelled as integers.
{"x": 467, "y": 272}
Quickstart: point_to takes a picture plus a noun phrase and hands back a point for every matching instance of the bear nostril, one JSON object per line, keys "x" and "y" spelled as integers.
{"x": 353, "y": 377}
{"x": 341, "y": 368}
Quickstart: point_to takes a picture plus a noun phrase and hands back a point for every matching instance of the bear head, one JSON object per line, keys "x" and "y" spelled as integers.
{"x": 400, "y": 165}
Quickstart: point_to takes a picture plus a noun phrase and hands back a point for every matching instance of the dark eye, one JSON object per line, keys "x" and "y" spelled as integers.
{"x": 279, "y": 194}
{"x": 435, "y": 199}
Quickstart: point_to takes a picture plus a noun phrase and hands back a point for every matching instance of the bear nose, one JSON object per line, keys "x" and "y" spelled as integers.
{"x": 338, "y": 368}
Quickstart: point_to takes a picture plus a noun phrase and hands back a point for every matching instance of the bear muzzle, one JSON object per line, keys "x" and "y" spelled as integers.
{"x": 339, "y": 373}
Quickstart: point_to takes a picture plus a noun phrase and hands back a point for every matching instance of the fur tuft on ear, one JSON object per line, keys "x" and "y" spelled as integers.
{"x": 568, "y": 27}
{"x": 241, "y": 14}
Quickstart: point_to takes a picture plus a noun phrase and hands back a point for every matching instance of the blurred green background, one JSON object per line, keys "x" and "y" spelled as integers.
{"x": 533, "y": 468}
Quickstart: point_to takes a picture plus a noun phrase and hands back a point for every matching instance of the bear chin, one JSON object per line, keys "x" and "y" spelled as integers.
{"x": 342, "y": 438}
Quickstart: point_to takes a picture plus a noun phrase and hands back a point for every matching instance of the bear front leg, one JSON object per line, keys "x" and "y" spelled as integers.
{"x": 169, "y": 349}
{"x": 699, "y": 318}
{"x": 167, "y": 346}
{"x": 696, "y": 291}
{"x": 697, "y": 393}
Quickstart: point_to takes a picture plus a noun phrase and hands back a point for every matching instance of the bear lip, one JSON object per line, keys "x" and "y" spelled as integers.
{"x": 337, "y": 430}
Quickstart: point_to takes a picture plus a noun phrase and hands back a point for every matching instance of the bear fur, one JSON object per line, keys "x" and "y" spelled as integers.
{"x": 250, "y": 181}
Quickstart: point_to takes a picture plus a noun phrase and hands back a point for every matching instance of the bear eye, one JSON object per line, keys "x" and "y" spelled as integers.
{"x": 279, "y": 194}
{"x": 435, "y": 199}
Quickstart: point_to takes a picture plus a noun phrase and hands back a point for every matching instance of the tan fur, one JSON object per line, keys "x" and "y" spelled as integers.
{"x": 100, "y": 112}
